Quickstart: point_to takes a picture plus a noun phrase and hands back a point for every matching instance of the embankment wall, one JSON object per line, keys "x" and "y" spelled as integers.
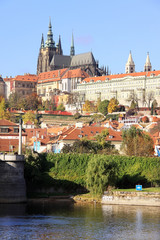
{"x": 131, "y": 198}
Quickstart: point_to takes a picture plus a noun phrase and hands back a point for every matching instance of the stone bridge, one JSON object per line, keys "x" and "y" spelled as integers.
{"x": 12, "y": 182}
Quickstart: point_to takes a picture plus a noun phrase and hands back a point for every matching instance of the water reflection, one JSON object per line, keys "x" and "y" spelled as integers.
{"x": 65, "y": 220}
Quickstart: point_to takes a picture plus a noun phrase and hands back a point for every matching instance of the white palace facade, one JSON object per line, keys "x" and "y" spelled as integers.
{"x": 142, "y": 87}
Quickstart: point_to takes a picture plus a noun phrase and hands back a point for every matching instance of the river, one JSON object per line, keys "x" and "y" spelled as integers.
{"x": 64, "y": 220}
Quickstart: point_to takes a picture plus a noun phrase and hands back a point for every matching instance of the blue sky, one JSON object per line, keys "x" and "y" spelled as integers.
{"x": 110, "y": 29}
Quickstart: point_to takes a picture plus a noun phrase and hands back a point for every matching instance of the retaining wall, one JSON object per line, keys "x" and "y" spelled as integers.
{"x": 131, "y": 198}
{"x": 12, "y": 182}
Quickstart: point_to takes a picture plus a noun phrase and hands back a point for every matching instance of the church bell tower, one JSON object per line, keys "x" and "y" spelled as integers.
{"x": 130, "y": 66}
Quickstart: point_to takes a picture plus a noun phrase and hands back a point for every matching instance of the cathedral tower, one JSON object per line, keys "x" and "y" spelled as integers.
{"x": 59, "y": 50}
{"x": 72, "y": 51}
{"x": 147, "y": 66}
{"x": 47, "y": 51}
{"x": 130, "y": 66}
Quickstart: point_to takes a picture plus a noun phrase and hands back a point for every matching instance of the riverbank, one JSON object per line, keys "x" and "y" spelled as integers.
{"x": 132, "y": 197}
{"x": 135, "y": 198}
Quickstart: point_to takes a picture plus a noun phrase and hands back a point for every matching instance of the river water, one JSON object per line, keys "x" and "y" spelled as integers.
{"x": 64, "y": 220}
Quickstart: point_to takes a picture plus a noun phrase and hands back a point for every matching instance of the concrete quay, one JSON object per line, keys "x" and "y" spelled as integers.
{"x": 131, "y": 198}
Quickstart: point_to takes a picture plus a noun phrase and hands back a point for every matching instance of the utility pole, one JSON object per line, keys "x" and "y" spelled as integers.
{"x": 20, "y": 137}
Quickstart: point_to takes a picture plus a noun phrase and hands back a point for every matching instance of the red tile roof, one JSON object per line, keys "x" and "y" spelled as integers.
{"x": 4, "y": 122}
{"x": 90, "y": 131}
{"x": 10, "y": 126}
{"x": 26, "y": 77}
{"x": 40, "y": 133}
{"x": 109, "y": 77}
{"x": 56, "y": 74}
{"x": 114, "y": 135}
{"x": 75, "y": 73}
{"x": 8, "y": 79}
{"x": 23, "y": 78}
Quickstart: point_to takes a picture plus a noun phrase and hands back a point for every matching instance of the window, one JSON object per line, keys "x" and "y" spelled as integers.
{"x": 16, "y": 130}
{"x": 4, "y": 130}
{"x": 110, "y": 136}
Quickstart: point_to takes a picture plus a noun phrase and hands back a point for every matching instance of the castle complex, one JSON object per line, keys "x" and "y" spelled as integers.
{"x": 80, "y": 74}
{"x": 51, "y": 57}
{"x": 141, "y": 87}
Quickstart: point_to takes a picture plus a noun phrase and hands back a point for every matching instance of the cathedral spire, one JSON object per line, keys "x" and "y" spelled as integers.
{"x": 42, "y": 42}
{"x": 50, "y": 43}
{"x": 72, "y": 51}
{"x": 147, "y": 66}
{"x": 59, "y": 46}
{"x": 130, "y": 66}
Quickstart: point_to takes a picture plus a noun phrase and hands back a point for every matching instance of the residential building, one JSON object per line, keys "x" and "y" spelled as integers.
{"x": 22, "y": 84}
{"x": 89, "y": 132}
{"x": 55, "y": 82}
{"x": 2, "y": 87}
{"x": 37, "y": 139}
{"x": 48, "y": 83}
{"x": 9, "y": 136}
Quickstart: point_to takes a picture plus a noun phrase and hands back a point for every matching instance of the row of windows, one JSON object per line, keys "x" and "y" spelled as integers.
{"x": 28, "y": 85}
{"x": 6, "y": 130}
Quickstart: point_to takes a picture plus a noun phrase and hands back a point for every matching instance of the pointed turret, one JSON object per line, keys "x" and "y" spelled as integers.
{"x": 59, "y": 47}
{"x": 42, "y": 42}
{"x": 130, "y": 66}
{"x": 50, "y": 43}
{"x": 147, "y": 66}
{"x": 72, "y": 51}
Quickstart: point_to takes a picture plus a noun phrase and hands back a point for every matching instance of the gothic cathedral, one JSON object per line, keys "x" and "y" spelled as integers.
{"x": 51, "y": 57}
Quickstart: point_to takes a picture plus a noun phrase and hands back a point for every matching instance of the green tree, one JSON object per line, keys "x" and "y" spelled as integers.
{"x": 16, "y": 101}
{"x": 98, "y": 102}
{"x": 137, "y": 143}
{"x": 153, "y": 107}
{"x": 133, "y": 105}
{"x": 101, "y": 137}
{"x": 61, "y": 107}
{"x": 103, "y": 107}
{"x": 82, "y": 146}
{"x": 99, "y": 174}
{"x": 97, "y": 117}
{"x": 29, "y": 116}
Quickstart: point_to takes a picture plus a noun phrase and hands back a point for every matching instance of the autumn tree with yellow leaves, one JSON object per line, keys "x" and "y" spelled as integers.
{"x": 113, "y": 104}
{"x": 88, "y": 106}
{"x": 4, "y": 114}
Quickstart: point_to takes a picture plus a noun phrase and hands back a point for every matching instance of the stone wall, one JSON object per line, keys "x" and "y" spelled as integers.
{"x": 12, "y": 182}
{"x": 132, "y": 198}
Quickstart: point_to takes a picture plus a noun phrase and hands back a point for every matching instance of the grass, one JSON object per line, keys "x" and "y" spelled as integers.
{"x": 152, "y": 189}
{"x": 88, "y": 197}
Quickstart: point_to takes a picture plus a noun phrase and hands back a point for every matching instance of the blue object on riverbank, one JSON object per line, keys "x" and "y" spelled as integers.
{"x": 139, "y": 187}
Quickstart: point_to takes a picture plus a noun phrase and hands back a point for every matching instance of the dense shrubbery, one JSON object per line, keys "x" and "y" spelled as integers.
{"x": 94, "y": 172}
